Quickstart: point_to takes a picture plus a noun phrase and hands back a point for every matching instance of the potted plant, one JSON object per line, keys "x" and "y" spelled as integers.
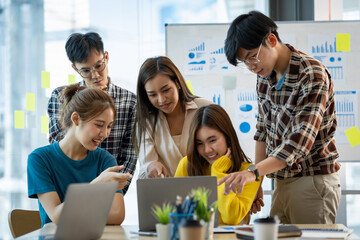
{"x": 162, "y": 216}
{"x": 203, "y": 212}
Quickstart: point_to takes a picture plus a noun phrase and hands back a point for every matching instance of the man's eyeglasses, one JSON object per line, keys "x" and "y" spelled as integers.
{"x": 252, "y": 61}
{"x": 98, "y": 67}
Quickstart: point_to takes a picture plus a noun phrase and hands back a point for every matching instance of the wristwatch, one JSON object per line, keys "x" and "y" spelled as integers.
{"x": 252, "y": 168}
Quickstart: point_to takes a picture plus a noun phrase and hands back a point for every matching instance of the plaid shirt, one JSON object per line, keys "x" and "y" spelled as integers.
{"x": 298, "y": 121}
{"x": 119, "y": 142}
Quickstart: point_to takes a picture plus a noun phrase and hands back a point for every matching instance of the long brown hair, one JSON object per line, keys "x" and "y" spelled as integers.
{"x": 146, "y": 113}
{"x": 87, "y": 102}
{"x": 215, "y": 117}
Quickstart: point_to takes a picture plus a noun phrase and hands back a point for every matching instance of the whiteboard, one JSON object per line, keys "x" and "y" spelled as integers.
{"x": 313, "y": 38}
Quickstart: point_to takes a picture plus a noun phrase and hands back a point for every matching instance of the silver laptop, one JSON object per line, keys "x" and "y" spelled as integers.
{"x": 84, "y": 214}
{"x": 159, "y": 190}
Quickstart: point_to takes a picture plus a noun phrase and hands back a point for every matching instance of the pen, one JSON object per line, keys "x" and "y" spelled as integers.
{"x": 185, "y": 204}
{"x": 324, "y": 229}
{"x": 178, "y": 204}
{"x": 193, "y": 206}
{"x": 191, "y": 202}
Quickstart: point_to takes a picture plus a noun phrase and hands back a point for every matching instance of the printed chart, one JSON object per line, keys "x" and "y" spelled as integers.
{"x": 323, "y": 48}
{"x": 206, "y": 56}
{"x": 214, "y": 94}
{"x": 346, "y": 112}
{"x": 246, "y": 110}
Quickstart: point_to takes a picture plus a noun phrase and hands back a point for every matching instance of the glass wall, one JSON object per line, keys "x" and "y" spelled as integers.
{"x": 32, "y": 39}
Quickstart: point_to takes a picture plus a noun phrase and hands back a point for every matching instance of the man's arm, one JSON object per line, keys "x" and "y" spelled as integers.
{"x": 54, "y": 111}
{"x": 235, "y": 181}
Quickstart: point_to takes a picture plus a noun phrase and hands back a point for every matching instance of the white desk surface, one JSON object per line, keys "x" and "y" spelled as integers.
{"x": 123, "y": 232}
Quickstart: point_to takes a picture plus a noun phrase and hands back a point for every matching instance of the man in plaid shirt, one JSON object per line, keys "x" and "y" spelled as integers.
{"x": 296, "y": 124}
{"x": 88, "y": 58}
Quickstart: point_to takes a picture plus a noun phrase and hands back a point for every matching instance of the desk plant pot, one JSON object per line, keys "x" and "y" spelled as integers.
{"x": 163, "y": 231}
{"x": 162, "y": 216}
{"x": 203, "y": 212}
{"x": 209, "y": 227}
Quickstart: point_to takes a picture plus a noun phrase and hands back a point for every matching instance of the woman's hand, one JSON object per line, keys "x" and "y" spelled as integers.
{"x": 156, "y": 169}
{"x": 228, "y": 153}
{"x": 111, "y": 175}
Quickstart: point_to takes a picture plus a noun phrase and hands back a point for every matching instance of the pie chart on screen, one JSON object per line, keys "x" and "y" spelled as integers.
{"x": 244, "y": 127}
{"x": 246, "y": 107}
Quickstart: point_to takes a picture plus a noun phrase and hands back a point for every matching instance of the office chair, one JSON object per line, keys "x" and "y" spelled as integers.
{"x": 23, "y": 221}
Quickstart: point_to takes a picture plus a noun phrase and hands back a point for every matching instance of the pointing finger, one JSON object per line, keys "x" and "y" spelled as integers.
{"x": 114, "y": 168}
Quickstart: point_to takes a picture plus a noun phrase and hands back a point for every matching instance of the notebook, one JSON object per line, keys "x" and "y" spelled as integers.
{"x": 159, "y": 190}
{"x": 285, "y": 231}
{"x": 85, "y": 211}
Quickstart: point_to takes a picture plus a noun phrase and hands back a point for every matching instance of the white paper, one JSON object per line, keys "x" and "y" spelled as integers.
{"x": 323, "y": 48}
{"x": 246, "y": 111}
{"x": 206, "y": 56}
{"x": 218, "y": 62}
{"x": 215, "y": 94}
{"x": 346, "y": 107}
{"x": 325, "y": 234}
{"x": 195, "y": 59}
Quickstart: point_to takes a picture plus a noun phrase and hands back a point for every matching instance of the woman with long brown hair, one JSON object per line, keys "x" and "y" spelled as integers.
{"x": 164, "y": 110}
{"x": 213, "y": 149}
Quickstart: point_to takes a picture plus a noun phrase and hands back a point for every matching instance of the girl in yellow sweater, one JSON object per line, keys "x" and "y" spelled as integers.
{"x": 213, "y": 149}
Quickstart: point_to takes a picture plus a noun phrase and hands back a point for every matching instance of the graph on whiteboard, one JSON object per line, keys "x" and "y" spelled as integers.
{"x": 205, "y": 56}
{"x": 323, "y": 48}
{"x": 346, "y": 112}
{"x": 246, "y": 110}
{"x": 215, "y": 94}
{"x": 196, "y": 56}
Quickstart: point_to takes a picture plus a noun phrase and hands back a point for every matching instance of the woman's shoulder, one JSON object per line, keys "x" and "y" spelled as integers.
{"x": 184, "y": 160}
{"x": 44, "y": 149}
{"x": 202, "y": 102}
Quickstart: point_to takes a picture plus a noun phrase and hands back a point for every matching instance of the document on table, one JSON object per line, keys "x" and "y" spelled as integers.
{"x": 226, "y": 228}
{"x": 315, "y": 233}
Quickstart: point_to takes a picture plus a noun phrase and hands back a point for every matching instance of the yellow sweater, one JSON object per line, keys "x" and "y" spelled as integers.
{"x": 232, "y": 207}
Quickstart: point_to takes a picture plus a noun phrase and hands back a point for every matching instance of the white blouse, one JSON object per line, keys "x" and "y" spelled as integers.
{"x": 162, "y": 146}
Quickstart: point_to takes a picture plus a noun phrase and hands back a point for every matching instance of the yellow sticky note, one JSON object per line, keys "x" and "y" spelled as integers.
{"x": 44, "y": 124}
{"x": 45, "y": 79}
{"x": 30, "y": 102}
{"x": 19, "y": 119}
{"x": 72, "y": 79}
{"x": 188, "y": 84}
{"x": 353, "y": 135}
{"x": 342, "y": 42}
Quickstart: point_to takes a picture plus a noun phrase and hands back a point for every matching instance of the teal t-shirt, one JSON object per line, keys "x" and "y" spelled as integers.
{"x": 49, "y": 169}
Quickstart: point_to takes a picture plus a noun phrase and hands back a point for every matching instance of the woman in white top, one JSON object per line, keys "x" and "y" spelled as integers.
{"x": 164, "y": 110}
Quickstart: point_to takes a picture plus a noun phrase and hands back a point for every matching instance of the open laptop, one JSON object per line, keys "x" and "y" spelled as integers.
{"x": 159, "y": 190}
{"x": 85, "y": 211}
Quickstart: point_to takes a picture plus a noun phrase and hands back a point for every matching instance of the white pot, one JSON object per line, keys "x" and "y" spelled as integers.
{"x": 163, "y": 231}
{"x": 209, "y": 228}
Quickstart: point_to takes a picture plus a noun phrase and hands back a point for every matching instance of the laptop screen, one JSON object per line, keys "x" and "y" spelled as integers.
{"x": 160, "y": 190}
